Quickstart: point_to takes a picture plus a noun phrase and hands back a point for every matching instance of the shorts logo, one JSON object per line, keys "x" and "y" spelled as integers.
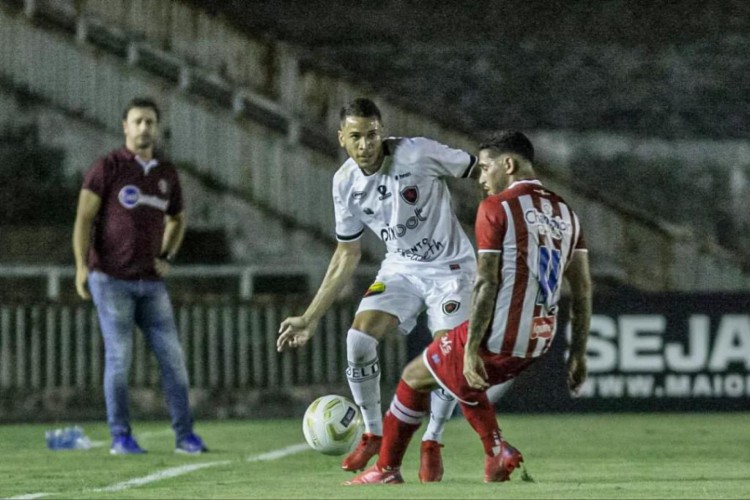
{"x": 375, "y": 289}
{"x": 410, "y": 194}
{"x": 446, "y": 345}
{"x": 451, "y": 307}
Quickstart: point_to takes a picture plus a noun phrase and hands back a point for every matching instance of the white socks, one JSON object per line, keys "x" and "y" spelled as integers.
{"x": 442, "y": 405}
{"x": 363, "y": 374}
{"x": 496, "y": 392}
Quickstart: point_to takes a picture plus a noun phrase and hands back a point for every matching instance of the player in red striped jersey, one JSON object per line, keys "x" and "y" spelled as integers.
{"x": 528, "y": 240}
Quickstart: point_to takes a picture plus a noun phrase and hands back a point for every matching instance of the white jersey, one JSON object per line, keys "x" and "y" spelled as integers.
{"x": 408, "y": 205}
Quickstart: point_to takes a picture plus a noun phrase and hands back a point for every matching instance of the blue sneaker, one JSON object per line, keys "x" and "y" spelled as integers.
{"x": 125, "y": 445}
{"x": 191, "y": 444}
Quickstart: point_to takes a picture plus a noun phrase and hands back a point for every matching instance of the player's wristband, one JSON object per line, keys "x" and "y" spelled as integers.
{"x": 166, "y": 256}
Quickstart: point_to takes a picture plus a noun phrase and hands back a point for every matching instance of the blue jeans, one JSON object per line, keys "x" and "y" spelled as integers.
{"x": 121, "y": 305}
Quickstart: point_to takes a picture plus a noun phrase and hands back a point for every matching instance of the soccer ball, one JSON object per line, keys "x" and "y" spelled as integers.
{"x": 332, "y": 425}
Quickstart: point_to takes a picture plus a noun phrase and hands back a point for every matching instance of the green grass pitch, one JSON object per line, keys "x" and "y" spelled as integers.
{"x": 567, "y": 456}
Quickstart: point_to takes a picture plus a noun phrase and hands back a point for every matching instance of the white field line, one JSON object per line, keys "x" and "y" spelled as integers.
{"x": 181, "y": 470}
{"x": 280, "y": 453}
{"x": 158, "y": 476}
{"x": 30, "y": 496}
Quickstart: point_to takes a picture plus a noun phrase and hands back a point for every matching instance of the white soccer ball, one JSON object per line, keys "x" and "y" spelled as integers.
{"x": 332, "y": 425}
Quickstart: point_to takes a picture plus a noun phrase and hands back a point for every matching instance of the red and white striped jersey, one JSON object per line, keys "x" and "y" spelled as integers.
{"x": 536, "y": 232}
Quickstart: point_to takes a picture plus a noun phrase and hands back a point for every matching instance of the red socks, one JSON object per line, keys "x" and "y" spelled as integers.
{"x": 401, "y": 421}
{"x": 482, "y": 418}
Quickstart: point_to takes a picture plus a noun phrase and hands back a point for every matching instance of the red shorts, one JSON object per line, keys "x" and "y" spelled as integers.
{"x": 444, "y": 358}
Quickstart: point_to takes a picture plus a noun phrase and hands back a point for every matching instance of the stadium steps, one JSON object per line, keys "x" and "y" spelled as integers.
{"x": 250, "y": 105}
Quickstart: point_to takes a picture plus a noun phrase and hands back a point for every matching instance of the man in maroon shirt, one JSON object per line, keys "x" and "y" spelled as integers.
{"x": 129, "y": 226}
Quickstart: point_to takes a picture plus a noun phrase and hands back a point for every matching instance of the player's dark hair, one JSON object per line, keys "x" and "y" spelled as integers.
{"x": 360, "y": 107}
{"x": 140, "y": 102}
{"x": 510, "y": 141}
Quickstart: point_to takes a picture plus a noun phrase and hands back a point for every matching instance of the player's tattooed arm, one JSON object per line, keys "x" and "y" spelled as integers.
{"x": 578, "y": 276}
{"x": 482, "y": 304}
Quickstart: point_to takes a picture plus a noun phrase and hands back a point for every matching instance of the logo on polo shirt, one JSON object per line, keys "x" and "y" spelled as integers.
{"x": 130, "y": 197}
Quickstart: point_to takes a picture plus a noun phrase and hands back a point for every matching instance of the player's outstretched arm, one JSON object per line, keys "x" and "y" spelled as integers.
{"x": 88, "y": 206}
{"x": 579, "y": 278}
{"x": 297, "y": 330}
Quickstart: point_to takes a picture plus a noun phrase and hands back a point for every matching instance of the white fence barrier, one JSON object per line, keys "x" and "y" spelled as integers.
{"x": 227, "y": 346}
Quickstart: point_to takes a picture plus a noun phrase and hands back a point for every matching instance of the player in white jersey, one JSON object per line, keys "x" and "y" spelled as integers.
{"x": 528, "y": 240}
{"x": 397, "y": 188}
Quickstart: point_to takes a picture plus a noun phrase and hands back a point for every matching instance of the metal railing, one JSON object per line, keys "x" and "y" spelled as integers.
{"x": 226, "y": 346}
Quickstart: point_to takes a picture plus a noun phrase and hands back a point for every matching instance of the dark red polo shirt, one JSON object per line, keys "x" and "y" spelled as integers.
{"x": 128, "y": 229}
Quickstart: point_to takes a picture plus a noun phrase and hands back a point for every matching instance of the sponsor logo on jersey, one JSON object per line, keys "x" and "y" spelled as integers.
{"x": 130, "y": 197}
{"x": 451, "y": 307}
{"x": 359, "y": 195}
{"x": 383, "y": 190}
{"x": 368, "y": 211}
{"x": 422, "y": 251}
{"x": 403, "y": 176}
{"x": 446, "y": 345}
{"x": 163, "y": 186}
{"x": 375, "y": 289}
{"x": 546, "y": 222}
{"x": 389, "y": 233}
{"x": 410, "y": 194}
{"x": 542, "y": 327}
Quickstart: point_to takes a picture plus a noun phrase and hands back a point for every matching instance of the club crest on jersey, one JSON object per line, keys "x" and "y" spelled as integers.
{"x": 375, "y": 289}
{"x": 162, "y": 186}
{"x": 451, "y": 307}
{"x": 410, "y": 194}
{"x": 383, "y": 190}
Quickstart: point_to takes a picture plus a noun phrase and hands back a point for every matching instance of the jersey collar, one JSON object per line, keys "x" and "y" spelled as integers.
{"x": 535, "y": 182}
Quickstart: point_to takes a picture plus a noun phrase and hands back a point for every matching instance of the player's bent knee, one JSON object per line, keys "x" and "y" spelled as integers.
{"x": 375, "y": 323}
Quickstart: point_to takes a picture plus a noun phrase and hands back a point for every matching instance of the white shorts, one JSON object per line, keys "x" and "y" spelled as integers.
{"x": 446, "y": 300}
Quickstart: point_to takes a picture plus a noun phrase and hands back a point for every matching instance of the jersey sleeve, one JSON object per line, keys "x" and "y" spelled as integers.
{"x": 490, "y": 225}
{"x": 348, "y": 227}
{"x": 175, "y": 197}
{"x": 444, "y": 161}
{"x": 580, "y": 243}
{"x": 94, "y": 180}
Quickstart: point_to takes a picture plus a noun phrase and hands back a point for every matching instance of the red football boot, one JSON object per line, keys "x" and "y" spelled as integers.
{"x": 374, "y": 475}
{"x": 501, "y": 466}
{"x": 430, "y": 462}
{"x": 367, "y": 448}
